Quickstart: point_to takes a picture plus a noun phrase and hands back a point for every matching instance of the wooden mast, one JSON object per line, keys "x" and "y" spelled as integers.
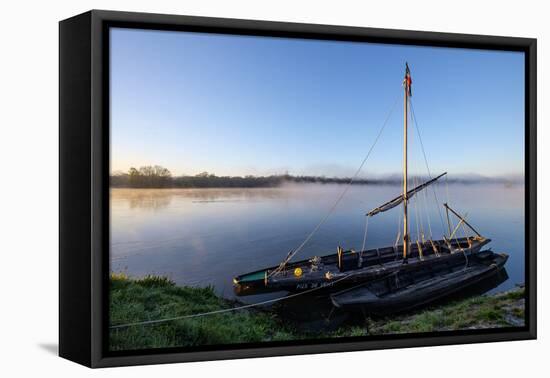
{"x": 406, "y": 84}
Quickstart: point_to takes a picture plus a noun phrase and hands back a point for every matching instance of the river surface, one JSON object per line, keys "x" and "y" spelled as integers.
{"x": 203, "y": 237}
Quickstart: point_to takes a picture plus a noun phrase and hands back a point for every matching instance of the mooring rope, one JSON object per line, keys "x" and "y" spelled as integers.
{"x": 225, "y": 310}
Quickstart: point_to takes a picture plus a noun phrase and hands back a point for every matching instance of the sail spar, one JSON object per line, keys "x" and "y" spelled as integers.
{"x": 399, "y": 199}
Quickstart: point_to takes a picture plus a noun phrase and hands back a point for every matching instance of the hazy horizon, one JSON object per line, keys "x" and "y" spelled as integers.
{"x": 365, "y": 176}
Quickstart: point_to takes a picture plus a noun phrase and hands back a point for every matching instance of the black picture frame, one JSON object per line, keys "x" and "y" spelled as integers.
{"x": 84, "y": 179}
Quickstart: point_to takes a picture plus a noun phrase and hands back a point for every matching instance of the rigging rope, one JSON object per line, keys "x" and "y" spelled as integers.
{"x": 422, "y": 203}
{"x": 447, "y": 188}
{"x": 451, "y": 224}
{"x": 416, "y": 214}
{"x": 399, "y": 228}
{"x": 426, "y": 209}
{"x": 415, "y": 204}
{"x": 365, "y": 236}
{"x": 413, "y": 116}
{"x": 333, "y": 207}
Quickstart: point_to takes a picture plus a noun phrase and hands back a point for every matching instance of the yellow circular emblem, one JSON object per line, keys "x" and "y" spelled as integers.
{"x": 298, "y": 272}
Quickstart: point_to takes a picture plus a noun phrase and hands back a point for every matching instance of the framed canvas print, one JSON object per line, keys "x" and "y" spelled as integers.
{"x": 234, "y": 188}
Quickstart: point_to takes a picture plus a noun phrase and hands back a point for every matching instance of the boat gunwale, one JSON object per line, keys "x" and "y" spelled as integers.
{"x": 441, "y": 242}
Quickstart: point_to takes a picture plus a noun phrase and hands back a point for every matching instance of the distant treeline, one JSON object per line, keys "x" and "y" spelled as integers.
{"x": 144, "y": 177}
{"x": 160, "y": 177}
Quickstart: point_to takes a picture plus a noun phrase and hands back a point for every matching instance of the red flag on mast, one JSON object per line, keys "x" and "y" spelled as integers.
{"x": 408, "y": 79}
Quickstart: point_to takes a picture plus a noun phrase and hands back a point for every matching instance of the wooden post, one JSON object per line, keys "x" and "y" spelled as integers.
{"x": 340, "y": 252}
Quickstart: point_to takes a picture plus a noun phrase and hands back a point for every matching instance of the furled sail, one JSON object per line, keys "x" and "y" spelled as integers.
{"x": 398, "y": 200}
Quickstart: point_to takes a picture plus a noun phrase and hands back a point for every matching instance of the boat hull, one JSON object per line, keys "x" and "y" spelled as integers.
{"x": 409, "y": 290}
{"x": 336, "y": 271}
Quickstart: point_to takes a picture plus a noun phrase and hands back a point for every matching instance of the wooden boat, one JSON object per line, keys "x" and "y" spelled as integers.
{"x": 410, "y": 288}
{"x": 350, "y": 267}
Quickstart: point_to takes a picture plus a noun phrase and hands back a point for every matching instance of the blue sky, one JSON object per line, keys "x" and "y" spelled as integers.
{"x": 238, "y": 105}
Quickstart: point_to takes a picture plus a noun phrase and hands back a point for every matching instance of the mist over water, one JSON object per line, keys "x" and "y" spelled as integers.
{"x": 206, "y": 237}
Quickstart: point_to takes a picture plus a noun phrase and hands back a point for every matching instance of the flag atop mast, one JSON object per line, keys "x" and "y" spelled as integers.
{"x": 408, "y": 79}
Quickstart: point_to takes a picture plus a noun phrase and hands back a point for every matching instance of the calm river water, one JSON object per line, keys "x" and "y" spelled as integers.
{"x": 206, "y": 236}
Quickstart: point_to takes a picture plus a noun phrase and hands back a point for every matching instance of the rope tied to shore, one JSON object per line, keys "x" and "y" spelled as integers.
{"x": 226, "y": 310}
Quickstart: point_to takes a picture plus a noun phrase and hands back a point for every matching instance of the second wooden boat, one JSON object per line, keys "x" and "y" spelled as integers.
{"x": 408, "y": 289}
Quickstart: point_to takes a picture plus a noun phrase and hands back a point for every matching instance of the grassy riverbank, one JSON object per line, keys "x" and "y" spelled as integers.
{"x": 487, "y": 311}
{"x": 135, "y": 300}
{"x": 148, "y": 298}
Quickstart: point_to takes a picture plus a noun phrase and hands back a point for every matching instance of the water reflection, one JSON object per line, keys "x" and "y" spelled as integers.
{"x": 141, "y": 199}
{"x": 207, "y": 236}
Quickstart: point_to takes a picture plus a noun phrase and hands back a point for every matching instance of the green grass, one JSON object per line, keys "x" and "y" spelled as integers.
{"x": 135, "y": 300}
{"x": 152, "y": 297}
{"x": 473, "y": 313}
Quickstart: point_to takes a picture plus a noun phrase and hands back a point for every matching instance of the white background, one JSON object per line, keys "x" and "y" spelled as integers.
{"x": 29, "y": 187}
